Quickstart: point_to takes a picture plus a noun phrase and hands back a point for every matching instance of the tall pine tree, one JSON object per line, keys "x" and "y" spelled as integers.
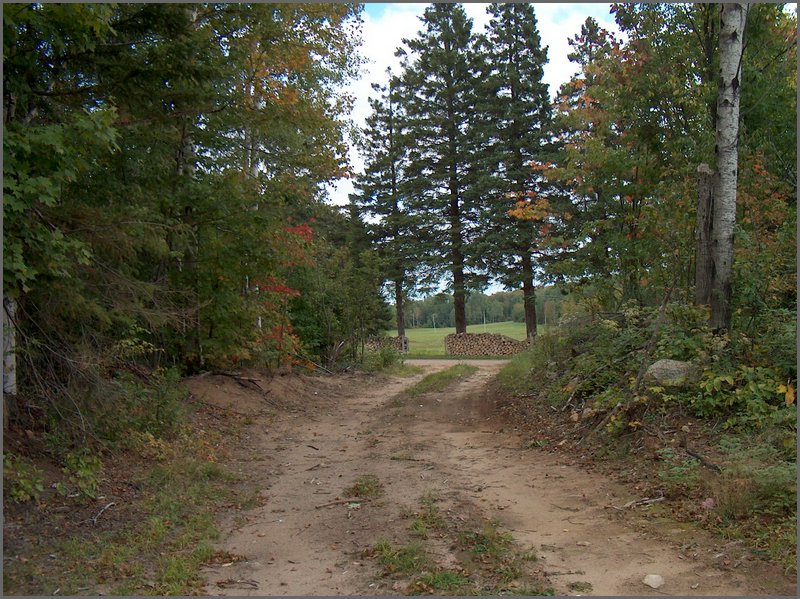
{"x": 378, "y": 198}
{"x": 439, "y": 95}
{"x": 513, "y": 129}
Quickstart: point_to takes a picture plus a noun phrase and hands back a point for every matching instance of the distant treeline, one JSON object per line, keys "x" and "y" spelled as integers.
{"x": 437, "y": 310}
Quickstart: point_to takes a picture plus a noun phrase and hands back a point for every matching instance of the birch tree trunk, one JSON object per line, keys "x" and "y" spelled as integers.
{"x": 731, "y": 37}
{"x": 9, "y": 355}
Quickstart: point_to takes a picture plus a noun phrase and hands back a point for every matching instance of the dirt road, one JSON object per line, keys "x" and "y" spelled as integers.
{"x": 307, "y": 538}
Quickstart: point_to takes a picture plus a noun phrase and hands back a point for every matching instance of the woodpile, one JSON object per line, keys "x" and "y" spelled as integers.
{"x": 482, "y": 344}
{"x": 399, "y": 344}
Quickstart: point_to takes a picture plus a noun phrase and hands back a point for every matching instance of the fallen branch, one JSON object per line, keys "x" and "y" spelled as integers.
{"x": 243, "y": 381}
{"x": 310, "y": 361}
{"x": 638, "y": 502}
{"x": 238, "y": 377}
{"x": 703, "y": 460}
{"x": 237, "y": 584}
{"x": 100, "y": 513}
{"x": 193, "y": 398}
{"x": 341, "y": 502}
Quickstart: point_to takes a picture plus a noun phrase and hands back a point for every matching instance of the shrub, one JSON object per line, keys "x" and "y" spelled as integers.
{"x": 84, "y": 470}
{"x": 547, "y": 349}
{"x": 22, "y": 480}
{"x": 155, "y": 407}
{"x": 751, "y": 397}
{"x": 385, "y": 357}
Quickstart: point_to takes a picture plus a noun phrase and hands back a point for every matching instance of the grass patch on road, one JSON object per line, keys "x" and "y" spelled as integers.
{"x": 439, "y": 381}
{"x": 367, "y": 486}
{"x": 429, "y": 517}
{"x": 485, "y": 560}
{"x": 406, "y": 559}
{"x": 404, "y": 370}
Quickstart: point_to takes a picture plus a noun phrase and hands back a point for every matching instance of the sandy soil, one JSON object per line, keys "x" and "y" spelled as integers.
{"x": 305, "y": 540}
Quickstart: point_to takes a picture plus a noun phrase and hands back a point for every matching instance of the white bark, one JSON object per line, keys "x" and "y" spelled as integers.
{"x": 9, "y": 354}
{"x": 9, "y": 347}
{"x": 731, "y": 37}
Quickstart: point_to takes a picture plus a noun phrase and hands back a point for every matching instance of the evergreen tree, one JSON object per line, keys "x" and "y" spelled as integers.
{"x": 438, "y": 93}
{"x": 379, "y": 199}
{"x": 514, "y": 129}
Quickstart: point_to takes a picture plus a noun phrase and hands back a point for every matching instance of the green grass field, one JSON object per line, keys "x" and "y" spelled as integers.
{"x": 430, "y": 342}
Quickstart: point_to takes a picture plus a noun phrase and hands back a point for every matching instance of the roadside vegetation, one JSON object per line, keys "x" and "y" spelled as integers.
{"x": 142, "y": 524}
{"x": 721, "y": 446}
{"x": 388, "y": 361}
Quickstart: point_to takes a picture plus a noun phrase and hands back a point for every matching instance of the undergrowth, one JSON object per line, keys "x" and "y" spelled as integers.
{"x": 159, "y": 551}
{"x": 741, "y": 393}
{"x": 151, "y": 542}
{"x": 387, "y": 360}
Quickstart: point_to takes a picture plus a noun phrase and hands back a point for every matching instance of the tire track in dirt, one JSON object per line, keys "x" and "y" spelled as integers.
{"x": 448, "y": 444}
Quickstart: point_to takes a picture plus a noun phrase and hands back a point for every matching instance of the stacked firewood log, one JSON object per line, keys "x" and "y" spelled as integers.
{"x": 482, "y": 344}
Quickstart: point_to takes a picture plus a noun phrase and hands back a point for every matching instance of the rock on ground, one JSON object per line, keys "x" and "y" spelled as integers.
{"x": 654, "y": 581}
{"x": 671, "y": 373}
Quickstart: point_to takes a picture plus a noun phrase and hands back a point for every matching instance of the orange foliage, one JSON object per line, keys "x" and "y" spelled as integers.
{"x": 530, "y": 210}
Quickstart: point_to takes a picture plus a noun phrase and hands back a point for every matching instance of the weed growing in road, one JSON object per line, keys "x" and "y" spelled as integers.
{"x": 427, "y": 518}
{"x": 580, "y": 586}
{"x": 439, "y": 381}
{"x": 407, "y": 559}
{"x": 404, "y": 370}
{"x": 412, "y": 560}
{"x": 367, "y": 486}
{"x": 488, "y": 541}
{"x": 494, "y": 564}
{"x": 495, "y": 554}
{"x": 430, "y": 512}
{"x": 441, "y": 580}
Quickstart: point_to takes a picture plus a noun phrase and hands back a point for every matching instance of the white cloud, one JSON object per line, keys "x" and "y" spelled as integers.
{"x": 385, "y": 26}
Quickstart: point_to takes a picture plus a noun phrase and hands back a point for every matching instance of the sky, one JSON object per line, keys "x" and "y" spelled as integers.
{"x": 386, "y": 24}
